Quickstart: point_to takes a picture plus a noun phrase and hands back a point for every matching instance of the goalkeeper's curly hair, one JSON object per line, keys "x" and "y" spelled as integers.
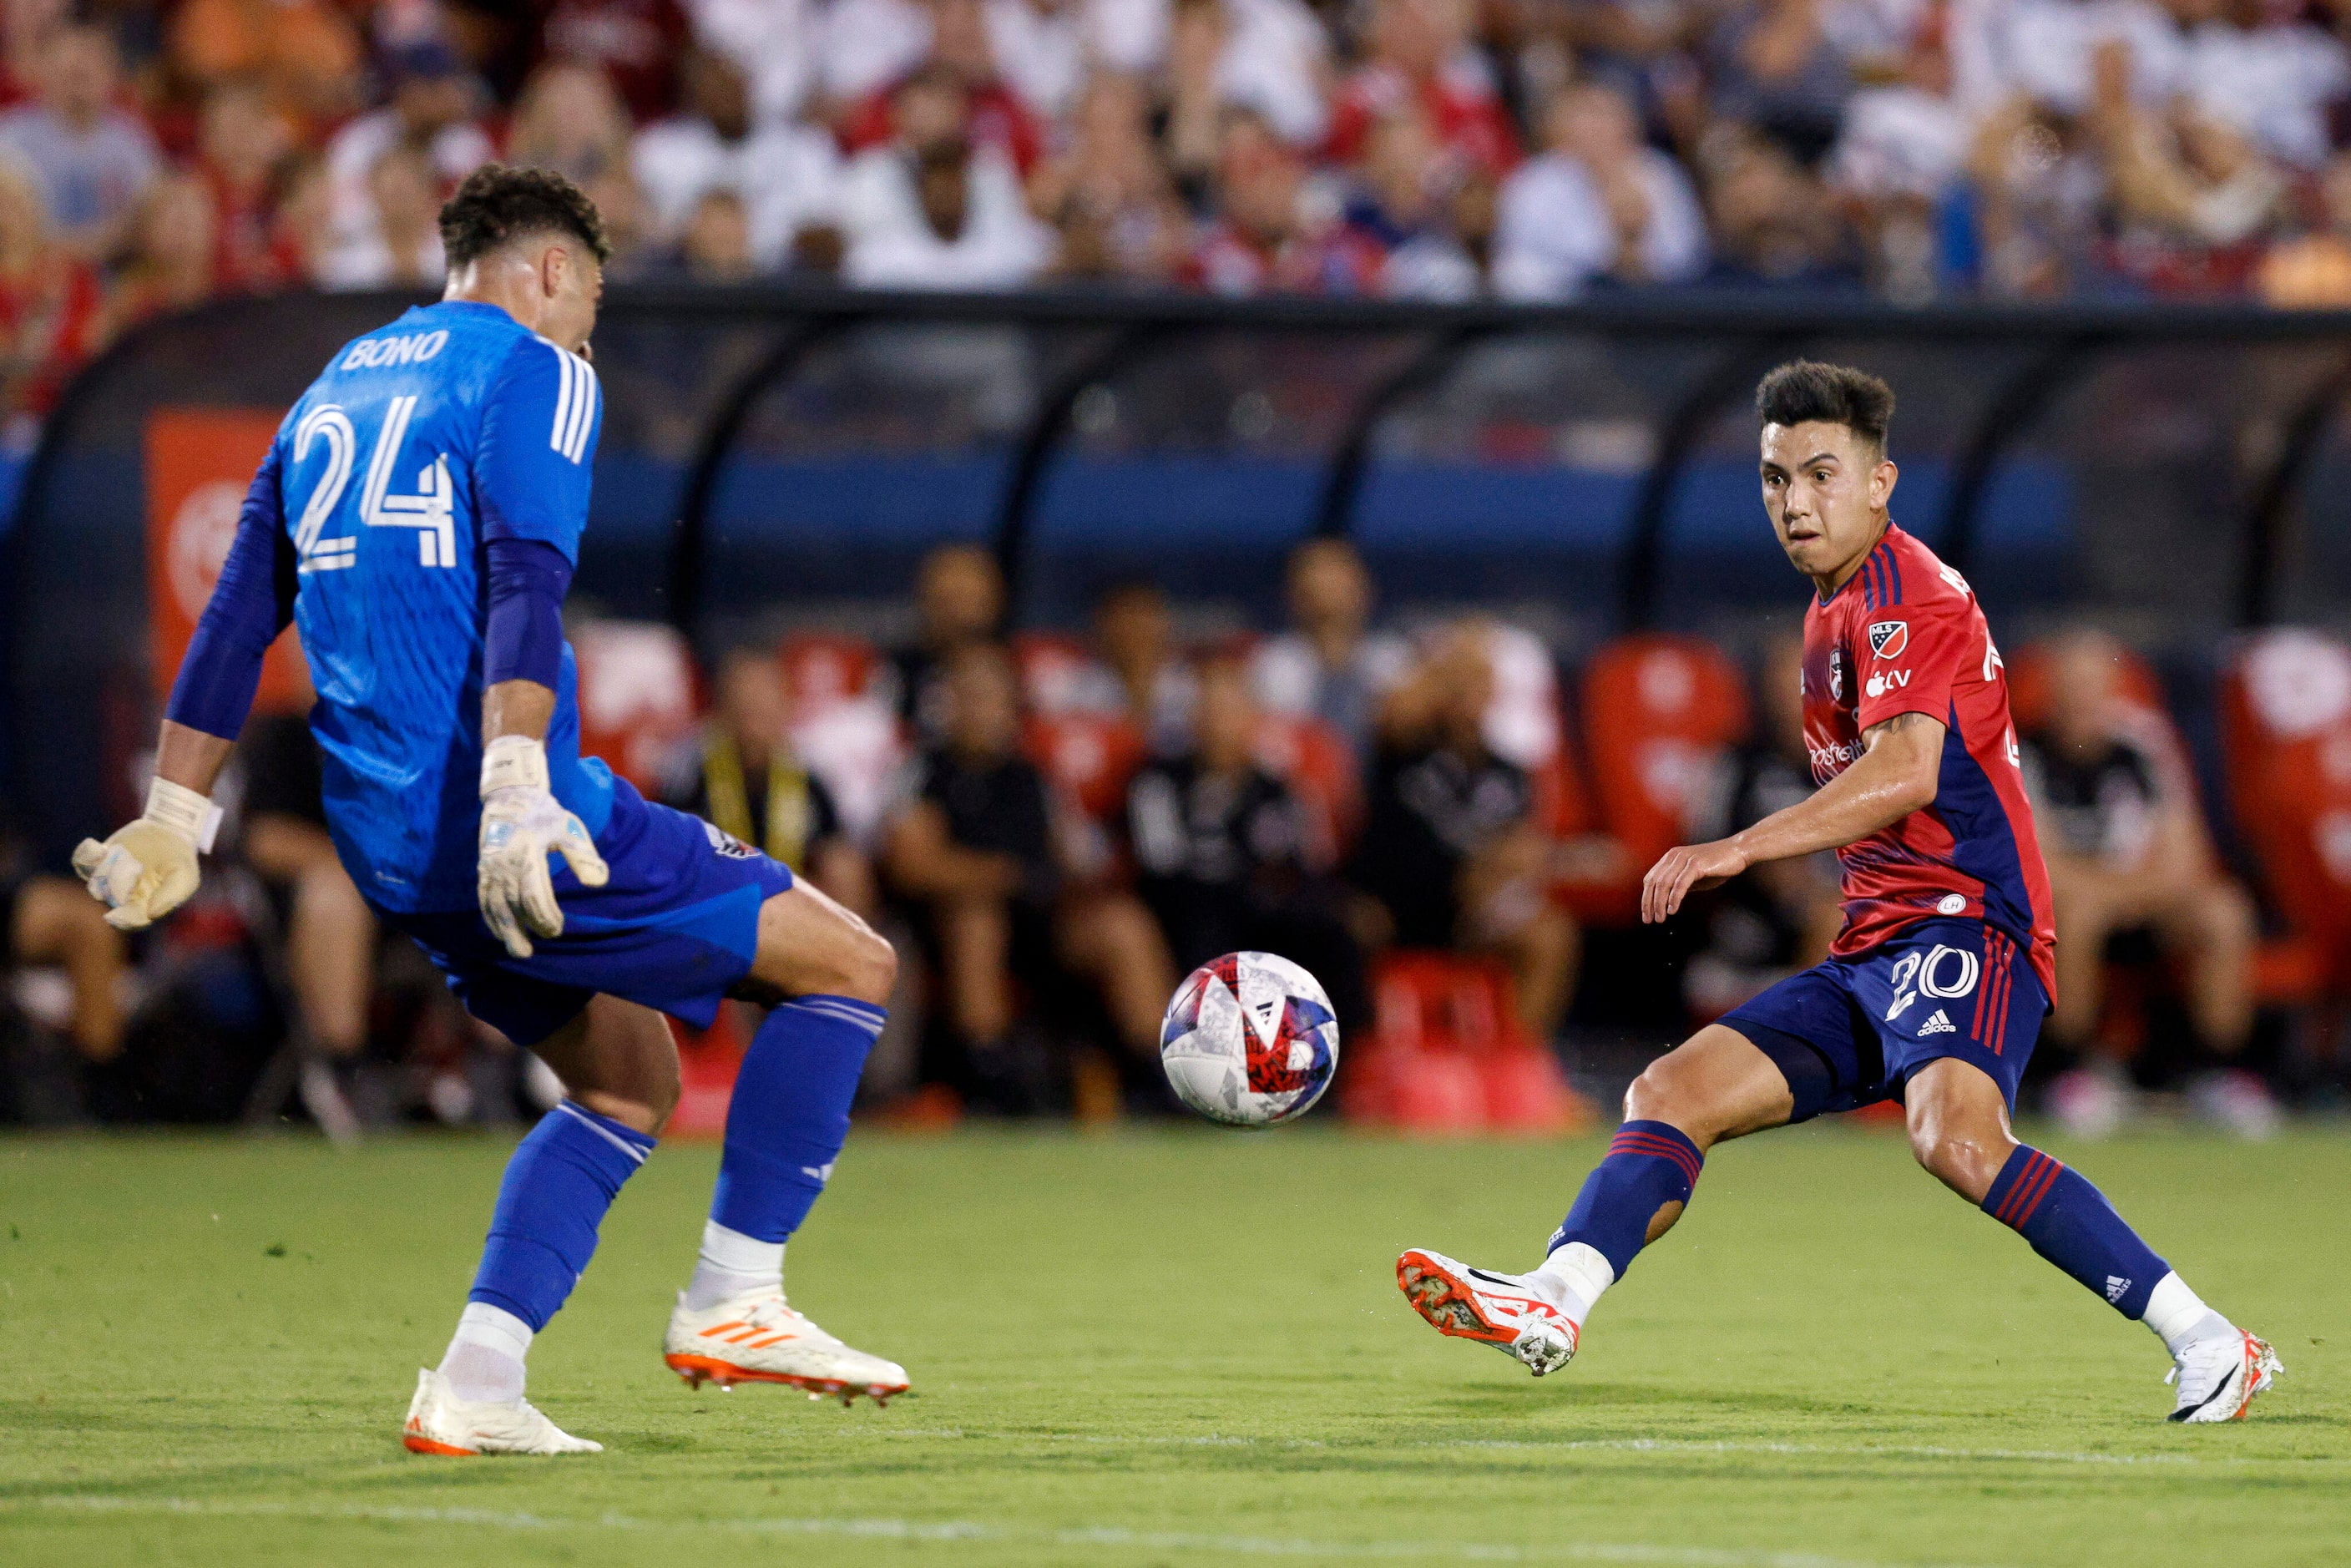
{"x": 497, "y": 203}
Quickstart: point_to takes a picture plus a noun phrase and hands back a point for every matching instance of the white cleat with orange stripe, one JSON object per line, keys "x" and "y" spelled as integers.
{"x": 1510, "y": 1311}
{"x": 2219, "y": 1376}
{"x": 761, "y": 1339}
{"x": 441, "y": 1423}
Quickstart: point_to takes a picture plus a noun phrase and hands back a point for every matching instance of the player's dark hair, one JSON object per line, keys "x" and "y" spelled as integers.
{"x": 497, "y": 203}
{"x": 1804, "y": 391}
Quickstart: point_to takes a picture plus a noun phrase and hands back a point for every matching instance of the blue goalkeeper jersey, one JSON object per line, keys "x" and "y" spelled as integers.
{"x": 423, "y": 440}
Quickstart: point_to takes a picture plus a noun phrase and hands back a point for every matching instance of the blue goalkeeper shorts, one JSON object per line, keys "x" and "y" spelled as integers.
{"x": 1852, "y": 1031}
{"x": 676, "y": 928}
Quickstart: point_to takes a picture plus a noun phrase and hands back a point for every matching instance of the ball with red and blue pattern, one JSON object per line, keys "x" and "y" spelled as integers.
{"x": 1249, "y": 1040}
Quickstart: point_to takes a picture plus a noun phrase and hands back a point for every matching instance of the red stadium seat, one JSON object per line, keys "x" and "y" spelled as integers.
{"x": 1599, "y": 888}
{"x": 1528, "y": 725}
{"x": 1320, "y": 767}
{"x": 2141, "y": 695}
{"x": 2289, "y": 969}
{"x": 2029, "y": 675}
{"x": 822, "y": 669}
{"x": 1447, "y": 1054}
{"x": 1059, "y": 673}
{"x": 1088, "y": 757}
{"x": 1658, "y": 709}
{"x": 2285, "y": 731}
{"x": 636, "y": 695}
{"x": 1562, "y": 805}
{"x": 708, "y": 1061}
{"x": 1419, "y": 1090}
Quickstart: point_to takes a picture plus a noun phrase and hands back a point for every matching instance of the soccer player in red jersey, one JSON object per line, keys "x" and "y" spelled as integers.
{"x": 1934, "y": 990}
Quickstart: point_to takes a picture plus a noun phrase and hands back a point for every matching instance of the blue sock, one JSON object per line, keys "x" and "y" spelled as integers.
{"x": 1649, "y": 1165}
{"x": 2070, "y": 1223}
{"x": 559, "y": 1184}
{"x": 790, "y": 1112}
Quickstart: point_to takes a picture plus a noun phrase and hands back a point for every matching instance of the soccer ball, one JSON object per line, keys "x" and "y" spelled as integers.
{"x": 1249, "y": 1040}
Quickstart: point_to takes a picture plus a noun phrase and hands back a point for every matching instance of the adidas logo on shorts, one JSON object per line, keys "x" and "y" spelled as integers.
{"x": 1939, "y": 1024}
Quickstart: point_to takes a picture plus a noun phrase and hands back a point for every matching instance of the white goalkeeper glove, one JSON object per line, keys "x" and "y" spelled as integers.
{"x": 522, "y": 824}
{"x": 148, "y": 868}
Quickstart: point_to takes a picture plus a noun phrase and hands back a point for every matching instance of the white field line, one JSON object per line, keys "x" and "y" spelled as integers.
{"x": 1626, "y": 1445}
{"x": 947, "y": 1532}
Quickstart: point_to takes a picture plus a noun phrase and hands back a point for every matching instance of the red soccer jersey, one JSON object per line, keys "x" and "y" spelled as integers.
{"x": 1906, "y": 635}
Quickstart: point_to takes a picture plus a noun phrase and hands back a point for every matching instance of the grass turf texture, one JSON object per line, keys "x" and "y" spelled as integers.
{"x": 1177, "y": 1347}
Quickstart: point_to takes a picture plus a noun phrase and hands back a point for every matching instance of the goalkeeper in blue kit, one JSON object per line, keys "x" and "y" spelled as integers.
{"x": 418, "y": 519}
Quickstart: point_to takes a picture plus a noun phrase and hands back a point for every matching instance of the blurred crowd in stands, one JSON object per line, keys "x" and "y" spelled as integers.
{"x": 155, "y": 153}
{"x": 1055, "y": 827}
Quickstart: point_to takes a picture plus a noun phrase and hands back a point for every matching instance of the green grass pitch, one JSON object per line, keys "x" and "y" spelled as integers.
{"x": 1177, "y": 1347}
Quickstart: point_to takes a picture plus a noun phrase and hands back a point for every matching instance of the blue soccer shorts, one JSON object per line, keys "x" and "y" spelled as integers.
{"x": 1852, "y": 1031}
{"x": 674, "y": 928}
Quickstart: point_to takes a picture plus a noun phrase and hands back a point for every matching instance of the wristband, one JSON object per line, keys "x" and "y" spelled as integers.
{"x": 514, "y": 762}
{"x": 184, "y": 812}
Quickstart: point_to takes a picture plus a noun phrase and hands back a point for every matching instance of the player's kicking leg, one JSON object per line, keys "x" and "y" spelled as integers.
{"x": 1720, "y": 1085}
{"x": 618, "y": 1068}
{"x": 1715, "y": 1085}
{"x": 1959, "y": 1132}
{"x": 831, "y": 975}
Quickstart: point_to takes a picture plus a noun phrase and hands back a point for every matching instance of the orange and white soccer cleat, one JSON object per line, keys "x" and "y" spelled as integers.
{"x": 760, "y": 1338}
{"x": 441, "y": 1423}
{"x": 2219, "y": 1375}
{"x": 1512, "y": 1312}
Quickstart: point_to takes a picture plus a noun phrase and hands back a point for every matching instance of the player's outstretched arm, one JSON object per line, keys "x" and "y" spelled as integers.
{"x": 148, "y": 868}
{"x": 1895, "y": 775}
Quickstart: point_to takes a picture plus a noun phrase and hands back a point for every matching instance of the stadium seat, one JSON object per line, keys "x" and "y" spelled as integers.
{"x": 1320, "y": 767}
{"x": 636, "y": 695}
{"x": 1060, "y": 675}
{"x": 1600, "y": 883}
{"x": 1090, "y": 757}
{"x": 2029, "y": 673}
{"x": 1447, "y": 1054}
{"x": 822, "y": 669}
{"x": 708, "y": 1061}
{"x": 1526, "y": 724}
{"x": 1658, "y": 710}
{"x": 1426, "y": 1092}
{"x": 857, "y": 748}
{"x": 844, "y": 731}
{"x": 2285, "y": 969}
{"x": 2286, "y": 729}
{"x": 2140, "y": 690}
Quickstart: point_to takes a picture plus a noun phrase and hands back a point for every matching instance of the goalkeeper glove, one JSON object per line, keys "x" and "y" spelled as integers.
{"x": 522, "y": 824}
{"x": 148, "y": 868}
